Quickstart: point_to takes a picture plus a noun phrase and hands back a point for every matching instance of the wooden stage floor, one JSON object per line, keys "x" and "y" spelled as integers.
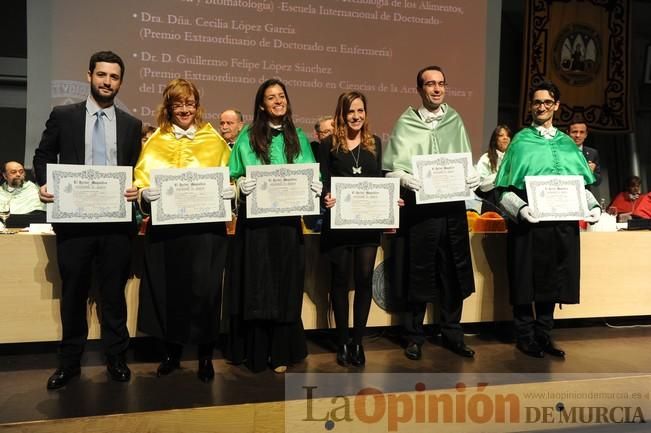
{"x": 26, "y": 405}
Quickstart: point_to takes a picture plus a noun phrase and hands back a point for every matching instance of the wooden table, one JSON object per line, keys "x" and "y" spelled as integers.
{"x": 614, "y": 282}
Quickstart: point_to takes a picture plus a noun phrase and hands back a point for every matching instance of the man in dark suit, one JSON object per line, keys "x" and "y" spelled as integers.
{"x": 579, "y": 132}
{"x": 99, "y": 252}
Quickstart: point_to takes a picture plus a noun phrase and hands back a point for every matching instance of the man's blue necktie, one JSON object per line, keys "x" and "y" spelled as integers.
{"x": 99, "y": 140}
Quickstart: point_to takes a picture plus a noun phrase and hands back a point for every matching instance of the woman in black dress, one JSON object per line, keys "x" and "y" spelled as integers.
{"x": 351, "y": 151}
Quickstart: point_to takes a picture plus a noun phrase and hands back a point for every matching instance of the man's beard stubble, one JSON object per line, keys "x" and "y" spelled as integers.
{"x": 101, "y": 98}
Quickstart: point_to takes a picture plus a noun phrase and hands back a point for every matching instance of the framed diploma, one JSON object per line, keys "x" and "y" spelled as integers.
{"x": 557, "y": 198}
{"x": 190, "y": 195}
{"x": 282, "y": 190}
{"x": 88, "y": 193}
{"x": 365, "y": 203}
{"x": 443, "y": 176}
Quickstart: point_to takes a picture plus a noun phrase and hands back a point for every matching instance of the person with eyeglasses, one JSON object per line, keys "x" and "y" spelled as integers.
{"x": 438, "y": 267}
{"x": 181, "y": 287}
{"x": 543, "y": 257}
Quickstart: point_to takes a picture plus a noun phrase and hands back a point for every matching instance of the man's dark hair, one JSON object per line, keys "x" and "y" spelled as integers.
{"x": 546, "y": 85}
{"x": 108, "y": 57}
{"x": 577, "y": 122}
{"x": 3, "y": 164}
{"x": 419, "y": 77}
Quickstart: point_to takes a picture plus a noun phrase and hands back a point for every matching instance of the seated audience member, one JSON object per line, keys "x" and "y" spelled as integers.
{"x": 643, "y": 209}
{"x": 488, "y": 165}
{"x": 628, "y": 200}
{"x": 323, "y": 128}
{"x": 231, "y": 123}
{"x": 21, "y": 193}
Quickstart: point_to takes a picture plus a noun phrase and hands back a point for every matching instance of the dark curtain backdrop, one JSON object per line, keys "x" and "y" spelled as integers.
{"x": 583, "y": 47}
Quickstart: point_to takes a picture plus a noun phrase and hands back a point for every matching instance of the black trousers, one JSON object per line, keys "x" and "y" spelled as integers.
{"x": 529, "y": 326}
{"x": 103, "y": 259}
{"x": 449, "y": 324}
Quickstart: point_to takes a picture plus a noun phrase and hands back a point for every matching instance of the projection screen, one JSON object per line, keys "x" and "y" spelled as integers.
{"x": 228, "y": 47}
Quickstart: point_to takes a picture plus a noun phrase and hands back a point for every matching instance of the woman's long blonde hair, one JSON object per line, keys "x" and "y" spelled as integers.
{"x": 340, "y": 131}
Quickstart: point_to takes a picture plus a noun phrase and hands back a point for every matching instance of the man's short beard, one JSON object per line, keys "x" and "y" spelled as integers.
{"x": 17, "y": 182}
{"x": 98, "y": 97}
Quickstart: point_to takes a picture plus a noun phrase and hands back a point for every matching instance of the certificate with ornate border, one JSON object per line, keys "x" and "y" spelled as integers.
{"x": 443, "y": 176}
{"x": 88, "y": 193}
{"x": 557, "y": 198}
{"x": 365, "y": 203}
{"x": 282, "y": 190}
{"x": 190, "y": 195}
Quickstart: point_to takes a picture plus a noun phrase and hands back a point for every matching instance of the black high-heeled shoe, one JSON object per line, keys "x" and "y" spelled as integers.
{"x": 206, "y": 371}
{"x": 357, "y": 357}
{"x": 343, "y": 357}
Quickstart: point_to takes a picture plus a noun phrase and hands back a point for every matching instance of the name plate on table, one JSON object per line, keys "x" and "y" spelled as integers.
{"x": 190, "y": 195}
{"x": 88, "y": 193}
{"x": 365, "y": 203}
{"x": 443, "y": 176}
{"x": 557, "y": 198}
{"x": 282, "y": 190}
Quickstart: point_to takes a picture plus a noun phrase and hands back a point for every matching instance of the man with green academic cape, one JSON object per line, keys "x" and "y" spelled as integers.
{"x": 435, "y": 264}
{"x": 542, "y": 256}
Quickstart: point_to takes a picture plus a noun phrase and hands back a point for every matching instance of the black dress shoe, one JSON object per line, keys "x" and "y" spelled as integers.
{"x": 62, "y": 376}
{"x": 357, "y": 357}
{"x": 118, "y": 369}
{"x": 167, "y": 365}
{"x": 343, "y": 357}
{"x": 530, "y": 348}
{"x": 550, "y": 348}
{"x": 206, "y": 372}
{"x": 458, "y": 347}
{"x": 413, "y": 352}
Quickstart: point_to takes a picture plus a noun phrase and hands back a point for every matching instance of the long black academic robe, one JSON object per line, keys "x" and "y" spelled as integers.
{"x": 264, "y": 292}
{"x": 423, "y": 228}
{"x": 180, "y": 294}
{"x": 543, "y": 261}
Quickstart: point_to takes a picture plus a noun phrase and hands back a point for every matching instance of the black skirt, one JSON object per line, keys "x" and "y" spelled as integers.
{"x": 334, "y": 239}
